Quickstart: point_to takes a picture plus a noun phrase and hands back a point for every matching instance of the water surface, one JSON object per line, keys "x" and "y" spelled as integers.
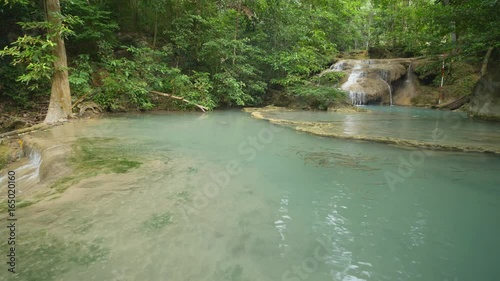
{"x": 222, "y": 196}
{"x": 407, "y": 123}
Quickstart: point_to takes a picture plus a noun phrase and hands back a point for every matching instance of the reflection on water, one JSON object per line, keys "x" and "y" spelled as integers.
{"x": 351, "y": 127}
{"x": 416, "y": 124}
{"x": 303, "y": 208}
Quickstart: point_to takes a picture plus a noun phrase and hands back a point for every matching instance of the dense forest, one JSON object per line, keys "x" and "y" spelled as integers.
{"x": 216, "y": 53}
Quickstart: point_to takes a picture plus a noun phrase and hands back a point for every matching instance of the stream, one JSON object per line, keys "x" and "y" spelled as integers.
{"x": 223, "y": 196}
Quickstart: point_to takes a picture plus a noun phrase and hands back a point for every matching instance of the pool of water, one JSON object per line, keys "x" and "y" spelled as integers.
{"x": 222, "y": 196}
{"x": 408, "y": 123}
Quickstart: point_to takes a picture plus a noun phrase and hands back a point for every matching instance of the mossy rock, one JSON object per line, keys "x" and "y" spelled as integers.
{"x": 93, "y": 156}
{"x": 4, "y": 155}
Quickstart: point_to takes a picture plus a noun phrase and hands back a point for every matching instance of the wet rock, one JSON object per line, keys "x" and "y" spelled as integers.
{"x": 346, "y": 109}
{"x": 87, "y": 108}
{"x": 485, "y": 100}
{"x": 369, "y": 81}
{"x": 14, "y": 123}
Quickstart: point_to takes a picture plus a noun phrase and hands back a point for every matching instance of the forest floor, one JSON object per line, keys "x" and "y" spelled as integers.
{"x": 13, "y": 117}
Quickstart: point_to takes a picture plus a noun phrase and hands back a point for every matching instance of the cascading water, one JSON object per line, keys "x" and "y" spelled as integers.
{"x": 409, "y": 74}
{"x": 384, "y": 76}
{"x": 357, "y": 97}
{"x": 406, "y": 90}
{"x": 390, "y": 90}
{"x": 340, "y": 66}
{"x": 30, "y": 171}
{"x": 363, "y": 83}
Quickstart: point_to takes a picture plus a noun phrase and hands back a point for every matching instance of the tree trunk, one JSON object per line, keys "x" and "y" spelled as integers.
{"x": 155, "y": 31}
{"x": 236, "y": 27}
{"x": 453, "y": 33}
{"x": 60, "y": 97}
{"x": 484, "y": 68}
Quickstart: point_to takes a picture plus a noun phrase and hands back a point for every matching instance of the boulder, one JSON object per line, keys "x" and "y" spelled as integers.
{"x": 485, "y": 99}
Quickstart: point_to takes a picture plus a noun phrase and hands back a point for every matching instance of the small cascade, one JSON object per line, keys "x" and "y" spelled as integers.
{"x": 339, "y": 66}
{"x": 357, "y": 98}
{"x": 390, "y": 90}
{"x": 406, "y": 90}
{"x": 30, "y": 171}
{"x": 409, "y": 74}
{"x": 354, "y": 76}
{"x": 363, "y": 83}
{"x": 384, "y": 75}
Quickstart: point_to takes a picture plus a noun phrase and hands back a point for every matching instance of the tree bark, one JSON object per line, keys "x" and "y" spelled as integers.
{"x": 456, "y": 104}
{"x": 60, "y": 96}
{"x": 155, "y": 31}
{"x": 484, "y": 68}
{"x": 453, "y": 33}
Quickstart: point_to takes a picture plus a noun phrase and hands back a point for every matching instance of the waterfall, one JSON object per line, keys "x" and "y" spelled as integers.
{"x": 357, "y": 97}
{"x": 390, "y": 90}
{"x": 339, "y": 66}
{"x": 29, "y": 171}
{"x": 363, "y": 85}
{"x": 405, "y": 91}
{"x": 408, "y": 76}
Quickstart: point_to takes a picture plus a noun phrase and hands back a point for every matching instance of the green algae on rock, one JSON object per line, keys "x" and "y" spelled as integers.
{"x": 93, "y": 156}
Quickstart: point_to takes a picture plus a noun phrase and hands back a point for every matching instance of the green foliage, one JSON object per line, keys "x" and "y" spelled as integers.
{"x": 80, "y": 76}
{"x": 317, "y": 96}
{"x": 232, "y": 61}
{"x": 462, "y": 28}
{"x": 31, "y": 58}
{"x": 297, "y": 65}
{"x": 129, "y": 80}
{"x": 12, "y": 2}
{"x": 119, "y": 86}
{"x": 228, "y": 53}
{"x": 22, "y": 95}
{"x": 331, "y": 78}
{"x": 93, "y": 26}
{"x": 34, "y": 53}
{"x": 197, "y": 88}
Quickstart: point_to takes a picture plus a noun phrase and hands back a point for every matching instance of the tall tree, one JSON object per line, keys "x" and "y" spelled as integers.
{"x": 60, "y": 96}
